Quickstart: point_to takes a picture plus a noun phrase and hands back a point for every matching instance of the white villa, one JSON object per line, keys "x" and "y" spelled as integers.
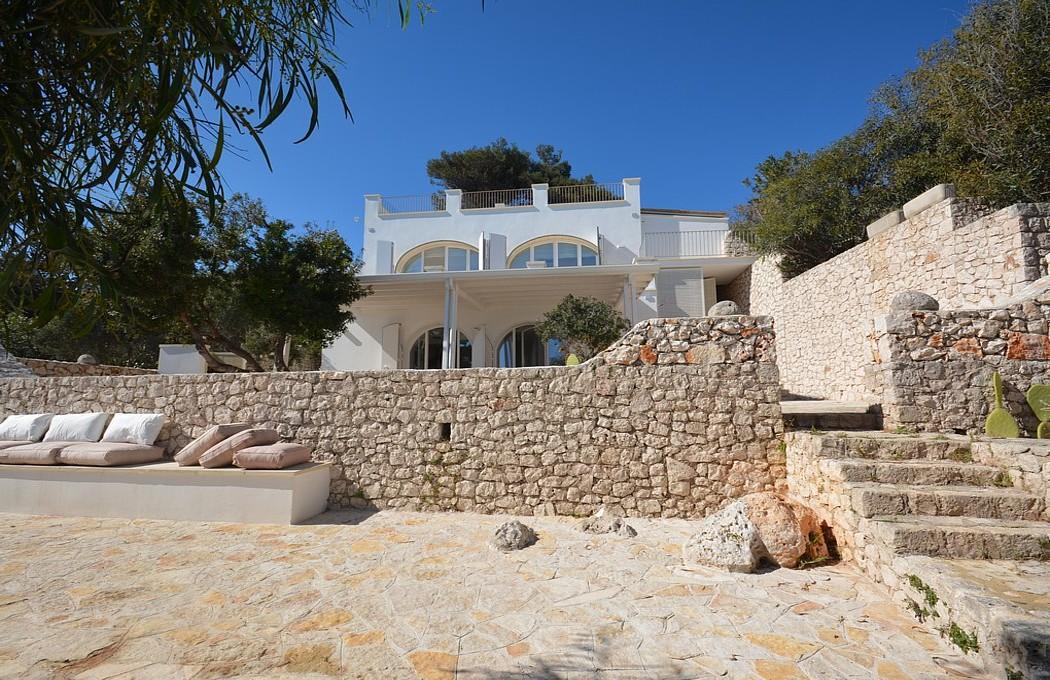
{"x": 458, "y": 279}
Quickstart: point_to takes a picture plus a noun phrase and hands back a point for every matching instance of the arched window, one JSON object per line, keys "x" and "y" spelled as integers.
{"x": 561, "y": 251}
{"x": 441, "y": 256}
{"x": 426, "y": 350}
{"x": 523, "y": 347}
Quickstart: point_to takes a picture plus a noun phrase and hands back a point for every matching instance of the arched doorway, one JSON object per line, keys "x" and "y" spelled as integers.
{"x": 426, "y": 350}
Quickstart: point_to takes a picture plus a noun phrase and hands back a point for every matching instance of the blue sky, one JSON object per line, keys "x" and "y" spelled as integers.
{"x": 687, "y": 94}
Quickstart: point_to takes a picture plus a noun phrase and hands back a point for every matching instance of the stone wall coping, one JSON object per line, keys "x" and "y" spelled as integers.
{"x": 888, "y": 220}
{"x": 928, "y": 199}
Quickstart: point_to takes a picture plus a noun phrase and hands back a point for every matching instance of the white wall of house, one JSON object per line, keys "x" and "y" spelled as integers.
{"x": 388, "y": 237}
{"x": 360, "y": 346}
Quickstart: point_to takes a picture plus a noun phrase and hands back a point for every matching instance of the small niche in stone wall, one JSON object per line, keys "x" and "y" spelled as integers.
{"x": 444, "y": 432}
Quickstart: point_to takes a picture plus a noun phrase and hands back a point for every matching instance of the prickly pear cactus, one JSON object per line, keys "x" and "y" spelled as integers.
{"x": 1000, "y": 424}
{"x": 1038, "y": 397}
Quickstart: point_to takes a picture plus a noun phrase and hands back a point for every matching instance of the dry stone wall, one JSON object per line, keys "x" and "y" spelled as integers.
{"x": 826, "y": 316}
{"x": 939, "y": 363}
{"x": 47, "y": 368}
{"x": 673, "y": 420}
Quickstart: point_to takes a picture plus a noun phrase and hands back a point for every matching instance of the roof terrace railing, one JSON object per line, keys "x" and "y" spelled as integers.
{"x": 498, "y": 198}
{"x": 536, "y": 195}
{"x": 390, "y": 205}
{"x": 585, "y": 193}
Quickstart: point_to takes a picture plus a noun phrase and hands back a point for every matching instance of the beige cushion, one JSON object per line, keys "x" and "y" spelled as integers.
{"x": 6, "y": 444}
{"x": 36, "y": 453}
{"x": 271, "y": 456}
{"x": 222, "y": 453}
{"x": 191, "y": 453}
{"x": 109, "y": 453}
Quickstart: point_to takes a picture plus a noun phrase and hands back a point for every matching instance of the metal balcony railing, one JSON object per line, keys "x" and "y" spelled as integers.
{"x": 498, "y": 198}
{"x": 585, "y": 193}
{"x": 390, "y": 205}
{"x": 708, "y": 243}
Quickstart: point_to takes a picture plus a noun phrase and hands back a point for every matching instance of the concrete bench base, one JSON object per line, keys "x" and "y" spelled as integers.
{"x": 167, "y": 491}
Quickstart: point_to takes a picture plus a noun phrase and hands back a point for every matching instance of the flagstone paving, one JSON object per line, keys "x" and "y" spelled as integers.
{"x": 407, "y": 595}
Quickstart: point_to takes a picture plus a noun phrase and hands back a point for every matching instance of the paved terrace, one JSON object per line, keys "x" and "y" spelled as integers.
{"x": 406, "y": 595}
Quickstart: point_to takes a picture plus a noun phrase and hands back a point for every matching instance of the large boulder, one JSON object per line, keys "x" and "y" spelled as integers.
{"x": 778, "y": 527}
{"x": 911, "y": 300}
{"x": 724, "y": 308}
{"x": 513, "y": 535}
{"x": 727, "y": 539}
{"x": 759, "y": 526}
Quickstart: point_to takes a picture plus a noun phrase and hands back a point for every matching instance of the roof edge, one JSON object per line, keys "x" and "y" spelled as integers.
{"x": 692, "y": 213}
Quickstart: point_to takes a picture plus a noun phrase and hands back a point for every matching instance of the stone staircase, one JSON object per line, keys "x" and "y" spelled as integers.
{"x": 958, "y": 529}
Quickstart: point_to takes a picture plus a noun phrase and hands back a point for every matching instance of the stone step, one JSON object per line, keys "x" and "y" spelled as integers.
{"x": 831, "y": 415}
{"x": 870, "y": 499}
{"x": 889, "y": 446}
{"x": 937, "y": 472}
{"x": 1006, "y": 603}
{"x": 969, "y": 538}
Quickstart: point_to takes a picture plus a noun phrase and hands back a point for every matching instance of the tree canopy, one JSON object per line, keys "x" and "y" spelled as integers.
{"x": 583, "y": 325}
{"x": 100, "y": 96}
{"x": 234, "y": 280}
{"x": 975, "y": 112}
{"x": 501, "y": 165}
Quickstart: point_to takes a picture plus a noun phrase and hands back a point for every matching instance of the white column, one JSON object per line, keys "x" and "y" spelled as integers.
{"x": 391, "y": 345}
{"x": 373, "y": 202}
{"x": 628, "y": 299}
{"x": 478, "y": 347}
{"x": 450, "y": 336}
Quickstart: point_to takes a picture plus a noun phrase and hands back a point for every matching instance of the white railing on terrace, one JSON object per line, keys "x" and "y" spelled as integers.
{"x": 712, "y": 242}
{"x": 498, "y": 198}
{"x": 585, "y": 193}
{"x": 410, "y": 204}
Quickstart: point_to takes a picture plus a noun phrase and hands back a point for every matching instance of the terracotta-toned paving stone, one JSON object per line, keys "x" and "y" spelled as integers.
{"x": 411, "y": 595}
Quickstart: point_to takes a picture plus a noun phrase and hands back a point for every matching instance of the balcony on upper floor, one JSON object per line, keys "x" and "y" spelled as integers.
{"x": 699, "y": 243}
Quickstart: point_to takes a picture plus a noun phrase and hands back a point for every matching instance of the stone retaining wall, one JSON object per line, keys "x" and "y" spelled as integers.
{"x": 677, "y": 417}
{"x": 826, "y": 316}
{"x": 939, "y": 363}
{"x": 48, "y": 368}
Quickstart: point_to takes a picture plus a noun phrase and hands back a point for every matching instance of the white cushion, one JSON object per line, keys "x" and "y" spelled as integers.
{"x": 25, "y": 428}
{"x": 76, "y": 427}
{"x": 134, "y": 428}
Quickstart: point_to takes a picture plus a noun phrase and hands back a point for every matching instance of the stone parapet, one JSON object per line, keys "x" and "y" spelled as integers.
{"x": 938, "y": 364}
{"x": 673, "y": 420}
{"x": 48, "y": 368}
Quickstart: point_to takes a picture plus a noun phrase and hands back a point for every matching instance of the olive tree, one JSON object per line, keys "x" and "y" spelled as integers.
{"x": 583, "y": 325}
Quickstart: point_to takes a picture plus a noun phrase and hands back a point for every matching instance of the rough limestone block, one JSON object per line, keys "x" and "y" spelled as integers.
{"x": 727, "y": 539}
{"x": 513, "y": 535}
{"x": 885, "y": 222}
{"x": 910, "y": 300}
{"x": 724, "y": 308}
{"x": 928, "y": 198}
{"x": 778, "y": 527}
